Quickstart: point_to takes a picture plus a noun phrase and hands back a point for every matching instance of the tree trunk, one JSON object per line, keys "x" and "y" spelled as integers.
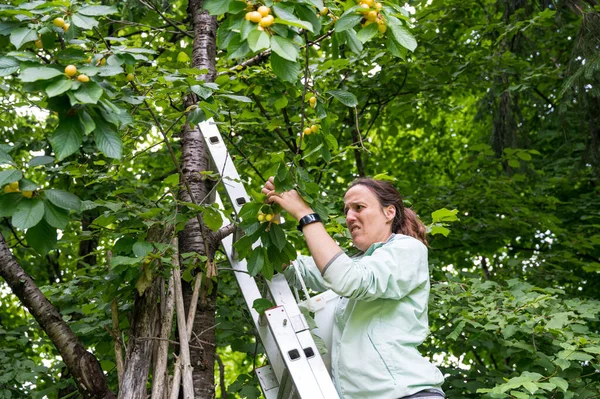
{"x": 195, "y": 237}
{"x": 83, "y": 366}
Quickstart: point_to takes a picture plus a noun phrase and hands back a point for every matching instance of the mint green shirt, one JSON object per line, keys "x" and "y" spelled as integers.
{"x": 380, "y": 319}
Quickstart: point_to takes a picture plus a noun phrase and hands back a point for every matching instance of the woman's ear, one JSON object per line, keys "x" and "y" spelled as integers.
{"x": 389, "y": 212}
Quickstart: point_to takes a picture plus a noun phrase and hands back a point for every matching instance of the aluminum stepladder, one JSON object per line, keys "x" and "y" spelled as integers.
{"x": 296, "y": 368}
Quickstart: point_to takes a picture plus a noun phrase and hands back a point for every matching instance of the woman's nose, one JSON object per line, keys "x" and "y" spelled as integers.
{"x": 350, "y": 216}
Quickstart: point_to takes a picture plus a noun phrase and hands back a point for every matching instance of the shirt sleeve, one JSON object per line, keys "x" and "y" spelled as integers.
{"x": 308, "y": 270}
{"x": 392, "y": 271}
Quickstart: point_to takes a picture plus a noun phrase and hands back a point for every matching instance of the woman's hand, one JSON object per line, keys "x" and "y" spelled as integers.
{"x": 290, "y": 201}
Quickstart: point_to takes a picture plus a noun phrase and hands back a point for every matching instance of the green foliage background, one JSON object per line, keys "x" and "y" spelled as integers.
{"x": 494, "y": 114}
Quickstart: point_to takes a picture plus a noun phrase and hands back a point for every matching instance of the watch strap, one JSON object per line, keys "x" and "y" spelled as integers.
{"x": 308, "y": 219}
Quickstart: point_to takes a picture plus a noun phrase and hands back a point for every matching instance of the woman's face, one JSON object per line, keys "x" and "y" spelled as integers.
{"x": 367, "y": 221}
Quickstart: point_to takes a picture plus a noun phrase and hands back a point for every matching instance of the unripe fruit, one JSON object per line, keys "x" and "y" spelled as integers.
{"x": 130, "y": 77}
{"x": 313, "y": 101}
{"x": 83, "y": 78}
{"x": 14, "y": 186}
{"x": 324, "y": 11}
{"x": 378, "y": 6}
{"x": 59, "y": 22}
{"x": 254, "y": 16}
{"x": 267, "y": 21}
{"x": 264, "y": 11}
{"x": 314, "y": 128}
{"x": 371, "y": 16}
{"x": 307, "y": 131}
{"x": 66, "y": 27}
{"x": 27, "y": 194}
{"x": 70, "y": 70}
{"x": 103, "y": 61}
{"x": 39, "y": 44}
{"x": 269, "y": 217}
{"x": 261, "y": 217}
{"x": 382, "y": 28}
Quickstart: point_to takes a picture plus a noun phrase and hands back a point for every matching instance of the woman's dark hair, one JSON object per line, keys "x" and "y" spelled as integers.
{"x": 406, "y": 220}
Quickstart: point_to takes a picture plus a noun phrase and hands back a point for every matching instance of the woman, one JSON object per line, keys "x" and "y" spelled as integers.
{"x": 381, "y": 317}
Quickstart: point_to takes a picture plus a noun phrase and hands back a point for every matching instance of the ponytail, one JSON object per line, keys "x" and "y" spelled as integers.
{"x": 412, "y": 226}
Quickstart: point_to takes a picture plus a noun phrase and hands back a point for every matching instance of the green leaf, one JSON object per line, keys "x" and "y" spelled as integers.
{"x": 403, "y": 37}
{"x": 444, "y": 215}
{"x": 438, "y": 229}
{"x": 7, "y": 27}
{"x": 108, "y": 140}
{"x": 89, "y": 93}
{"x": 39, "y": 73}
{"x": 285, "y": 15}
{"x": 355, "y": 45}
{"x": 63, "y": 199}
{"x": 212, "y": 218}
{"x": 277, "y": 236}
{"x": 368, "y": 32}
{"x": 281, "y": 102}
{"x": 202, "y": 91}
{"x": 9, "y": 176}
{"x": 243, "y": 99}
{"x": 284, "y": 69}
{"x": 83, "y": 22}
{"x": 513, "y": 163}
{"x": 182, "y": 57}
{"x": 142, "y": 248}
{"x": 285, "y": 48}
{"x": 8, "y": 204}
{"x": 29, "y": 212}
{"x": 95, "y": 11}
{"x": 258, "y": 40}
{"x": 262, "y": 304}
{"x": 561, "y": 383}
{"x": 345, "y": 97}
{"x": 256, "y": 261}
{"x": 395, "y": 49}
{"x": 216, "y": 7}
{"x": 457, "y": 330}
{"x": 8, "y": 66}
{"x": 6, "y": 159}
{"x": 55, "y": 216}
{"x": 20, "y": 36}
{"x": 67, "y": 137}
{"x": 196, "y": 116}
{"x": 41, "y": 237}
{"x": 347, "y": 21}
{"x": 58, "y": 87}
{"x": 87, "y": 122}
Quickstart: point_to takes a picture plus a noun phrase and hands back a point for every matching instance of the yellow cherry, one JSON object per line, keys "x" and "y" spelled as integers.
{"x": 70, "y": 70}
{"x": 39, "y": 44}
{"x": 307, "y": 131}
{"x": 254, "y": 16}
{"x": 83, "y": 78}
{"x": 264, "y": 11}
{"x": 313, "y": 101}
{"x": 269, "y": 217}
{"x": 66, "y": 27}
{"x": 59, "y": 22}
{"x": 261, "y": 217}
{"x": 382, "y": 28}
{"x": 14, "y": 186}
{"x": 27, "y": 194}
{"x": 324, "y": 11}
{"x": 130, "y": 77}
{"x": 371, "y": 16}
{"x": 267, "y": 21}
{"x": 378, "y": 6}
{"x": 314, "y": 128}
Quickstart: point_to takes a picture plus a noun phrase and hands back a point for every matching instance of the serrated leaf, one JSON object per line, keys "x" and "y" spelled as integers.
{"x": 285, "y": 48}
{"x": 561, "y": 383}
{"x": 345, "y": 97}
{"x": 97, "y": 10}
{"x": 10, "y": 176}
{"x": 196, "y": 116}
{"x": 256, "y": 261}
{"x": 368, "y": 32}
{"x": 243, "y": 99}
{"x": 28, "y": 213}
{"x": 63, "y": 199}
{"x": 444, "y": 215}
{"x": 352, "y": 40}
{"x": 284, "y": 69}
{"x": 142, "y": 248}
{"x": 89, "y": 93}
{"x": 8, "y": 66}
{"x": 212, "y": 218}
{"x": 6, "y": 159}
{"x": 403, "y": 37}
{"x": 183, "y": 57}
{"x": 277, "y": 236}
{"x": 20, "y": 36}
{"x": 439, "y": 230}
{"x": 67, "y": 137}
{"x": 258, "y": 40}
{"x": 347, "y": 21}
{"x": 108, "y": 140}
{"x": 58, "y": 87}
{"x": 55, "y": 216}
{"x": 39, "y": 73}
{"x": 41, "y": 237}
{"x": 216, "y": 7}
{"x": 8, "y": 204}
{"x": 285, "y": 15}
{"x": 84, "y": 22}
{"x": 202, "y": 91}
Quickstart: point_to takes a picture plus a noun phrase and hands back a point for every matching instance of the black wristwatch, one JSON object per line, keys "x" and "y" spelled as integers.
{"x": 308, "y": 219}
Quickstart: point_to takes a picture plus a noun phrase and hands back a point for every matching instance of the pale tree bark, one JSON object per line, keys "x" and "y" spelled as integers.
{"x": 195, "y": 237}
{"x": 160, "y": 376}
{"x": 146, "y": 314}
{"x": 83, "y": 366}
